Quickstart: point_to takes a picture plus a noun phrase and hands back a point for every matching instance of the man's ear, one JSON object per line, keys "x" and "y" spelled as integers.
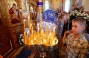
{"x": 83, "y": 27}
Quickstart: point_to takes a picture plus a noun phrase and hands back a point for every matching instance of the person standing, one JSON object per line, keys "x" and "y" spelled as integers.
{"x": 75, "y": 40}
{"x": 60, "y": 26}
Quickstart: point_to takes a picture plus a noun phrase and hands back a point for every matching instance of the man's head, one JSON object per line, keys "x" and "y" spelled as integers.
{"x": 59, "y": 18}
{"x": 78, "y": 25}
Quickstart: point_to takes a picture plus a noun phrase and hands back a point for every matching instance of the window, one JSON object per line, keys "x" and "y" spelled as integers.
{"x": 46, "y": 5}
{"x": 67, "y": 6}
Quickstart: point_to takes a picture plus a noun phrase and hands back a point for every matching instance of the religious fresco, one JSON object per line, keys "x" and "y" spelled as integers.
{"x": 78, "y": 3}
{"x": 14, "y": 12}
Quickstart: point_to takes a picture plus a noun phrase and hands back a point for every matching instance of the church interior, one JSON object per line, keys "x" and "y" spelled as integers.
{"x": 25, "y": 34}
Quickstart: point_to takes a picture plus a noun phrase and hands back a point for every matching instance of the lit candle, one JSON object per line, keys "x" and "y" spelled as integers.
{"x": 24, "y": 24}
{"x": 29, "y": 22}
{"x": 24, "y": 32}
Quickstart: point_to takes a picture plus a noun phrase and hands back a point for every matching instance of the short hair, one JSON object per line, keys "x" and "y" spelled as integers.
{"x": 80, "y": 20}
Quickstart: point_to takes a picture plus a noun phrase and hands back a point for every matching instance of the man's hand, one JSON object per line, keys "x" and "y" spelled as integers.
{"x": 65, "y": 35}
{"x": 67, "y": 32}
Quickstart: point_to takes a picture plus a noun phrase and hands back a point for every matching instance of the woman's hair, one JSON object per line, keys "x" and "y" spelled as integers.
{"x": 14, "y": 4}
{"x": 80, "y": 20}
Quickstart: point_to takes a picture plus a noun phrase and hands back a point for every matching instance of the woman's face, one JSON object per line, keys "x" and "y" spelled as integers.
{"x": 14, "y": 7}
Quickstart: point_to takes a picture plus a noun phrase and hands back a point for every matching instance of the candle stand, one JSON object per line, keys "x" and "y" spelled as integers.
{"x": 44, "y": 51}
